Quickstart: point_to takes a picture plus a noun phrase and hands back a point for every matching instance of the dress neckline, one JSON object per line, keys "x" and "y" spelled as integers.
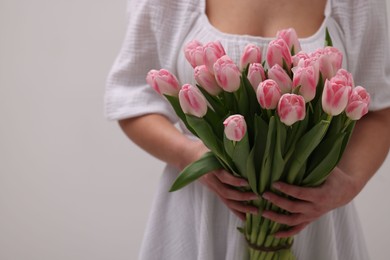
{"x": 237, "y": 37}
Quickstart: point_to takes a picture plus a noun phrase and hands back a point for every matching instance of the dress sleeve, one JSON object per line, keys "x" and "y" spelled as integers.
{"x": 366, "y": 32}
{"x": 147, "y": 45}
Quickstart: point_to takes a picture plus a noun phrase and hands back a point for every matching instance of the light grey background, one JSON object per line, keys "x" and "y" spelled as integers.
{"x": 72, "y": 187}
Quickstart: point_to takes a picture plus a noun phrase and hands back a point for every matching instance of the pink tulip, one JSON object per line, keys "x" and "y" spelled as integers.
{"x": 235, "y": 127}
{"x": 329, "y": 60}
{"x": 291, "y": 38}
{"x": 358, "y": 103}
{"x": 163, "y": 82}
{"x": 305, "y": 78}
{"x": 278, "y": 74}
{"x": 298, "y": 58}
{"x": 251, "y": 54}
{"x": 192, "y": 101}
{"x": 256, "y": 74}
{"x": 227, "y": 74}
{"x": 344, "y": 76}
{"x": 277, "y": 52}
{"x": 268, "y": 94}
{"x": 212, "y": 51}
{"x": 291, "y": 108}
{"x": 206, "y": 80}
{"x": 335, "y": 96}
{"x": 193, "y": 52}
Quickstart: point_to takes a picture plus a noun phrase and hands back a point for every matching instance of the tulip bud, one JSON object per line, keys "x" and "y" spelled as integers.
{"x": 212, "y": 51}
{"x": 193, "y": 52}
{"x": 329, "y": 60}
{"x": 291, "y": 108}
{"x": 251, "y": 54}
{"x": 163, "y": 82}
{"x": 206, "y": 80}
{"x": 256, "y": 74}
{"x": 335, "y": 97}
{"x": 305, "y": 78}
{"x": 344, "y": 76}
{"x": 291, "y": 38}
{"x": 358, "y": 103}
{"x": 235, "y": 127}
{"x": 268, "y": 94}
{"x": 227, "y": 74}
{"x": 278, "y": 74}
{"x": 277, "y": 52}
{"x": 192, "y": 101}
{"x": 299, "y": 57}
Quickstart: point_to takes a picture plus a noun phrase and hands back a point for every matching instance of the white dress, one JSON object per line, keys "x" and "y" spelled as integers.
{"x": 192, "y": 223}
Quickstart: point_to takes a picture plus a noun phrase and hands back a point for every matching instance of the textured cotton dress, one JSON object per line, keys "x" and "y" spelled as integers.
{"x": 193, "y": 224}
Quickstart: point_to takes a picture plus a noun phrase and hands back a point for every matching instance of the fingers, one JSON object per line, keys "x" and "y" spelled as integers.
{"x": 240, "y": 207}
{"x": 302, "y": 193}
{"x": 293, "y": 206}
{"x": 229, "y": 179}
{"x": 227, "y": 192}
{"x": 287, "y": 219}
{"x": 291, "y": 231}
{"x": 223, "y": 183}
{"x": 239, "y": 214}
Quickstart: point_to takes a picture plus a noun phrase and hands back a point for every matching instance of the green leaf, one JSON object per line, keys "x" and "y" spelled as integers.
{"x": 261, "y": 133}
{"x": 228, "y": 145}
{"x": 317, "y": 101}
{"x": 328, "y": 39}
{"x": 230, "y": 102}
{"x": 174, "y": 101}
{"x": 278, "y": 161}
{"x": 206, "y": 133}
{"x": 242, "y": 99}
{"x": 348, "y": 132}
{"x": 216, "y": 123}
{"x": 253, "y": 106}
{"x": 295, "y": 133}
{"x": 258, "y": 150}
{"x": 304, "y": 148}
{"x": 336, "y": 125}
{"x": 214, "y": 102}
{"x": 251, "y": 171}
{"x": 268, "y": 157}
{"x": 327, "y": 154}
{"x": 240, "y": 155}
{"x": 207, "y": 163}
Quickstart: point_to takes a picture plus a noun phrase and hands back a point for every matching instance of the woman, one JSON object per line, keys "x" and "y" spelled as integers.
{"x": 199, "y": 221}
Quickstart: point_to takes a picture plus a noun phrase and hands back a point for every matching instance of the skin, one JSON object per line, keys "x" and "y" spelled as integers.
{"x": 361, "y": 160}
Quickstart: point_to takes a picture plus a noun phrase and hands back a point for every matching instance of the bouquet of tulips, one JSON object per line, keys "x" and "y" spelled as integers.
{"x": 287, "y": 118}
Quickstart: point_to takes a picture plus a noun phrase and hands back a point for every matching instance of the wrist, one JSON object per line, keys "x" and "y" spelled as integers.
{"x": 349, "y": 183}
{"x": 192, "y": 151}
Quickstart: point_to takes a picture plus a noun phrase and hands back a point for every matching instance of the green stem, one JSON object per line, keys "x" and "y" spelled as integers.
{"x": 346, "y": 124}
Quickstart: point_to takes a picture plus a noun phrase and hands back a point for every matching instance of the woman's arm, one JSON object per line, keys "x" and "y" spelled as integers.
{"x": 155, "y": 134}
{"x": 366, "y": 151}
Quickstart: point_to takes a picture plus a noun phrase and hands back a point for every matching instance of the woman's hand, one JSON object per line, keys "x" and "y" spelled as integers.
{"x": 308, "y": 204}
{"x": 223, "y": 184}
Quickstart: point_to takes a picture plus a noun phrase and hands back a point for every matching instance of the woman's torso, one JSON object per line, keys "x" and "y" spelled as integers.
{"x": 265, "y": 17}
{"x": 237, "y": 23}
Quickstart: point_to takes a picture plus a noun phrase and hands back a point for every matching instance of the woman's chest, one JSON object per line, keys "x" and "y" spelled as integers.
{"x": 265, "y": 17}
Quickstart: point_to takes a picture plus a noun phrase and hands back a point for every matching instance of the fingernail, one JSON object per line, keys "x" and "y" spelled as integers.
{"x": 265, "y": 196}
{"x": 276, "y": 185}
{"x": 244, "y": 183}
{"x": 265, "y": 214}
{"x": 254, "y": 197}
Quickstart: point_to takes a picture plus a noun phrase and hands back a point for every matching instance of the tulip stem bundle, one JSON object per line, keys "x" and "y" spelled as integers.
{"x": 289, "y": 121}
